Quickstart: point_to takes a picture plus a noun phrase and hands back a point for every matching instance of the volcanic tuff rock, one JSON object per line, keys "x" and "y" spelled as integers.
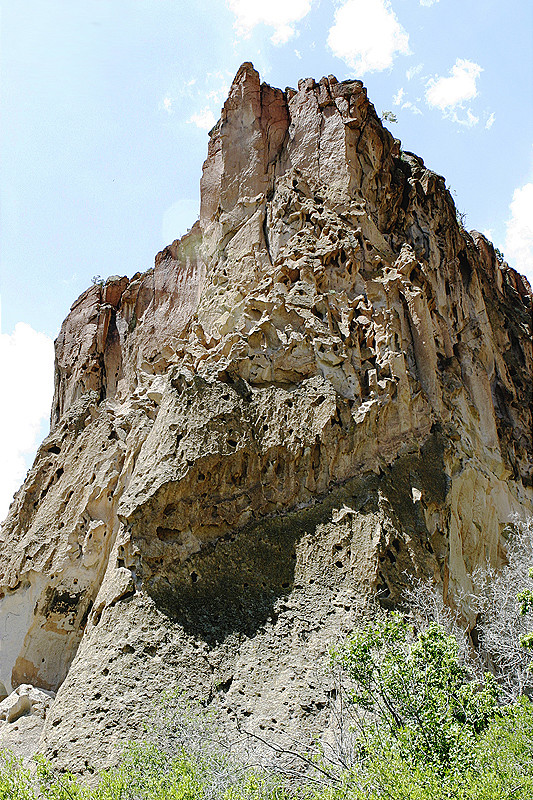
{"x": 324, "y": 384}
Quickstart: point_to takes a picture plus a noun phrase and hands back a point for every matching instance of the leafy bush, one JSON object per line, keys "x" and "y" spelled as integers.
{"x": 416, "y": 692}
{"x": 501, "y": 767}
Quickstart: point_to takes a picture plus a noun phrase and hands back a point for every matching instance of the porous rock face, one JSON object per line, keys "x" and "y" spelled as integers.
{"x": 323, "y": 385}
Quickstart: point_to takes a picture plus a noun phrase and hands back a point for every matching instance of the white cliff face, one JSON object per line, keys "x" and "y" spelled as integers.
{"x": 323, "y": 385}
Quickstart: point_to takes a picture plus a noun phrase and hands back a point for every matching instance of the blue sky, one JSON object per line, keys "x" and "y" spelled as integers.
{"x": 105, "y": 108}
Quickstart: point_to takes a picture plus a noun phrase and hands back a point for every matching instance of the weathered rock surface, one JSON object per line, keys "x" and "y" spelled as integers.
{"x": 22, "y": 715}
{"x": 26, "y": 699}
{"x": 324, "y": 384}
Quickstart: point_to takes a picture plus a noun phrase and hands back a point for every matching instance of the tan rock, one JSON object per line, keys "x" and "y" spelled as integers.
{"x": 26, "y": 699}
{"x": 323, "y": 385}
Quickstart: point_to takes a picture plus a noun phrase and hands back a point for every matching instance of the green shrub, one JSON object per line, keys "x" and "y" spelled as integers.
{"x": 15, "y": 783}
{"x": 415, "y": 692}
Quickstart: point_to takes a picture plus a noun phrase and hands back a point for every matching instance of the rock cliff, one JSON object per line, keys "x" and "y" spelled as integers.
{"x": 323, "y": 385}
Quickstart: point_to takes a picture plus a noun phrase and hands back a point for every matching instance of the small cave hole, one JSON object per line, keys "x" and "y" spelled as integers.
{"x": 194, "y": 577}
{"x": 464, "y": 267}
{"x": 382, "y": 590}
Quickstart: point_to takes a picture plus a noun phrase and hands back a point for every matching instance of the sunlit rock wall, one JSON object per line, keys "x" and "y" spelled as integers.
{"x": 323, "y": 386}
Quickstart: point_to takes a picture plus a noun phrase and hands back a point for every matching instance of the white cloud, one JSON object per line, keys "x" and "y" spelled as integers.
{"x": 487, "y": 233}
{"x": 519, "y": 234}
{"x": 490, "y": 122}
{"x": 278, "y": 14}
{"x": 207, "y": 95}
{"x": 217, "y": 86}
{"x": 398, "y": 97}
{"x": 405, "y": 105}
{"x": 26, "y": 362}
{"x": 167, "y": 104}
{"x": 204, "y": 119}
{"x": 412, "y": 71}
{"x": 467, "y": 121}
{"x": 428, "y": 2}
{"x": 367, "y": 35}
{"x": 411, "y": 107}
{"x": 447, "y": 93}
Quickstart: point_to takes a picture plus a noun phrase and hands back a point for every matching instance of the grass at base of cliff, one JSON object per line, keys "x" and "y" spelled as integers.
{"x": 501, "y": 767}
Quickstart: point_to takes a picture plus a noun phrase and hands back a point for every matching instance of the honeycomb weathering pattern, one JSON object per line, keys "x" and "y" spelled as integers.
{"x": 324, "y": 384}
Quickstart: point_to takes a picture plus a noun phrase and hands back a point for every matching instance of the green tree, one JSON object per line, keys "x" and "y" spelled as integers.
{"x": 416, "y": 693}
